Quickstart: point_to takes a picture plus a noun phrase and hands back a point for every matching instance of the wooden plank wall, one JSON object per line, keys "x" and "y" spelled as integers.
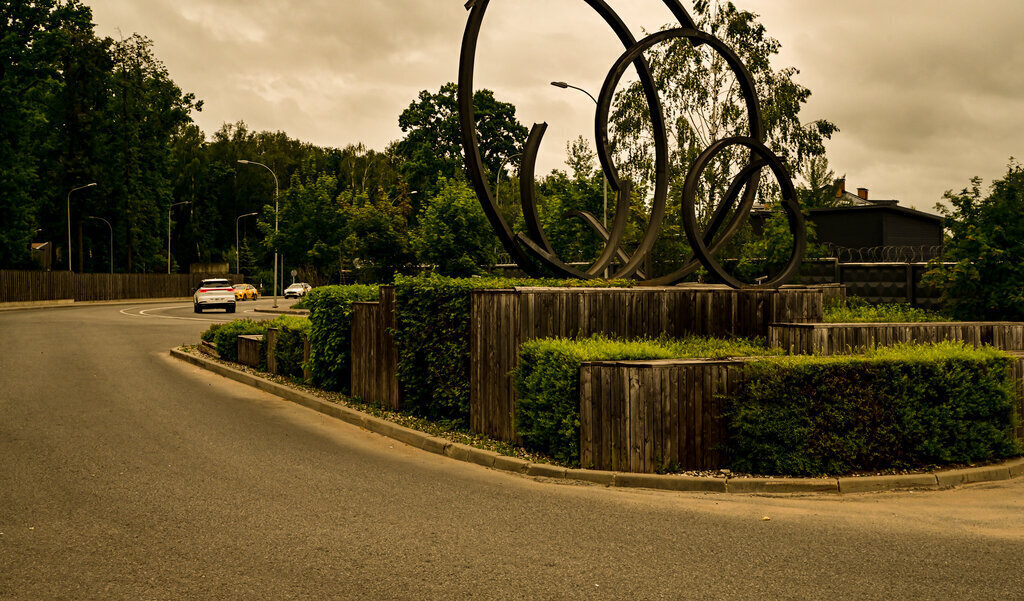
{"x": 271, "y": 338}
{"x": 832, "y": 339}
{"x": 647, "y": 416}
{"x": 501, "y": 320}
{"x": 249, "y": 349}
{"x": 374, "y": 355}
{"x": 638, "y": 416}
{"x": 29, "y": 286}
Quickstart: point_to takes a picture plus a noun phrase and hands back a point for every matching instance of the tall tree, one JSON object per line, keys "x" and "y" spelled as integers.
{"x": 432, "y": 146}
{"x": 703, "y": 103}
{"x": 982, "y": 272}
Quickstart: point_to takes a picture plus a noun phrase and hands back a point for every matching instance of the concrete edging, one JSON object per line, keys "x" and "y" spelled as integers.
{"x": 421, "y": 440}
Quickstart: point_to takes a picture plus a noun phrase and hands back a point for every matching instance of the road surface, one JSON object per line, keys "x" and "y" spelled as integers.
{"x": 125, "y": 474}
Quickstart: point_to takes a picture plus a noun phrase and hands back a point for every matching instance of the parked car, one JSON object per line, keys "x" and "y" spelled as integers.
{"x": 215, "y": 293}
{"x": 246, "y": 292}
{"x": 297, "y": 289}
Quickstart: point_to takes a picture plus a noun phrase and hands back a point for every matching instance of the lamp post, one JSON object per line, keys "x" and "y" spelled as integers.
{"x": 497, "y": 178}
{"x": 238, "y": 261}
{"x": 563, "y": 85}
{"x": 69, "y": 219}
{"x": 276, "y": 190}
{"x": 111, "y": 239}
{"x": 184, "y": 202}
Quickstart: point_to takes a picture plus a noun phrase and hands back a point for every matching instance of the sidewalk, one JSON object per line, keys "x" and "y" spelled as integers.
{"x": 69, "y": 302}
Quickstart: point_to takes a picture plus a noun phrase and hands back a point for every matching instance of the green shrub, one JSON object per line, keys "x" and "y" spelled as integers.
{"x": 432, "y": 336}
{"x": 896, "y": 407}
{"x": 547, "y": 381}
{"x": 330, "y": 333}
{"x": 225, "y": 336}
{"x": 857, "y": 310}
{"x": 289, "y": 349}
{"x": 210, "y": 333}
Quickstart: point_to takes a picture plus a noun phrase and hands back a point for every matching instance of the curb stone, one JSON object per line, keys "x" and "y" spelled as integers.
{"x": 664, "y": 482}
{"x": 783, "y": 485}
{"x": 988, "y": 473}
{"x": 1008, "y": 469}
{"x": 876, "y": 483}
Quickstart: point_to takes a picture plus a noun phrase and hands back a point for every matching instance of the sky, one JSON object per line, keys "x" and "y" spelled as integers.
{"x": 926, "y": 93}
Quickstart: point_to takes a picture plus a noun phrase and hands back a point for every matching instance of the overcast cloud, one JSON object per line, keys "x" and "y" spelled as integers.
{"x": 927, "y": 93}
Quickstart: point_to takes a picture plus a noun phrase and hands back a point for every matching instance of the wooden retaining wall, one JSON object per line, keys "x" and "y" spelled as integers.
{"x": 374, "y": 355}
{"x": 29, "y": 286}
{"x": 271, "y": 338}
{"x": 843, "y": 338}
{"x": 646, "y": 416}
{"x": 501, "y": 320}
{"x": 249, "y": 347}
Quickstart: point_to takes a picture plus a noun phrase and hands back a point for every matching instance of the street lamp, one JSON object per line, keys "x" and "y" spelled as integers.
{"x": 497, "y": 178}
{"x": 111, "y": 240}
{"x": 69, "y": 219}
{"x": 184, "y": 202}
{"x": 276, "y": 190}
{"x": 238, "y": 268}
{"x": 563, "y": 85}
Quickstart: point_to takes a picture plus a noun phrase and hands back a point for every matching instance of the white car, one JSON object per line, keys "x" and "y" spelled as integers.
{"x": 214, "y": 294}
{"x": 297, "y": 289}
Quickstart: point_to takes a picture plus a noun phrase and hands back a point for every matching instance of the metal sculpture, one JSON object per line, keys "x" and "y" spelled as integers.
{"x": 532, "y": 251}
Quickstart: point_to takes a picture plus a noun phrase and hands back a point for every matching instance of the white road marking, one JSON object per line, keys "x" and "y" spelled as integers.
{"x": 146, "y": 313}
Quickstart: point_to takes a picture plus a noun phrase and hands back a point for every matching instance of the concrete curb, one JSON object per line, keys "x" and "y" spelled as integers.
{"x": 460, "y": 452}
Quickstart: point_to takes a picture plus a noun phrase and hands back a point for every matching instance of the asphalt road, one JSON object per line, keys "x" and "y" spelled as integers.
{"x": 125, "y": 474}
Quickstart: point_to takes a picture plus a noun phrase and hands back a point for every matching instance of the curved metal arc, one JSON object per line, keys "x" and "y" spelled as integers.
{"x": 789, "y": 203}
{"x": 588, "y": 218}
{"x": 527, "y": 194}
{"x": 743, "y": 178}
{"x": 471, "y": 145}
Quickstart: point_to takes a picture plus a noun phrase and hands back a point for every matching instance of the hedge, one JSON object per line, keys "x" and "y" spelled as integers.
{"x": 857, "y": 310}
{"x": 289, "y": 349}
{"x": 432, "y": 337}
{"x": 330, "y": 334}
{"x": 225, "y": 335}
{"x": 547, "y": 381}
{"x": 896, "y": 407}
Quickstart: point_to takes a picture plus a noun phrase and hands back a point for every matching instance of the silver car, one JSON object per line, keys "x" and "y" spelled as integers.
{"x": 297, "y": 289}
{"x": 214, "y": 293}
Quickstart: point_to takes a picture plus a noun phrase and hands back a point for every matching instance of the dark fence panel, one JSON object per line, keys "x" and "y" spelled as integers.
{"x": 374, "y": 355}
{"x": 875, "y": 282}
{"x": 501, "y": 320}
{"x": 30, "y": 286}
{"x": 638, "y": 416}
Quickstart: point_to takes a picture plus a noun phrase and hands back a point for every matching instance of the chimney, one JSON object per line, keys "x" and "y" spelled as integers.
{"x": 840, "y": 187}
{"x": 863, "y": 193}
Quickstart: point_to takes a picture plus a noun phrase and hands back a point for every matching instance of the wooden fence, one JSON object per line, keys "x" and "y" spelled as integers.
{"x": 29, "y": 286}
{"x": 647, "y": 416}
{"x": 501, "y": 320}
{"x": 843, "y": 338}
{"x": 374, "y": 355}
{"x": 250, "y": 349}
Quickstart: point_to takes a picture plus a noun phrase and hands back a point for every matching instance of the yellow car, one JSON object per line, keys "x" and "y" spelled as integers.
{"x": 245, "y": 292}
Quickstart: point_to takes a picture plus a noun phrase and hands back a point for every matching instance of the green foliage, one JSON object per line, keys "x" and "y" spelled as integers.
{"x": 896, "y": 407}
{"x": 453, "y": 234}
{"x": 210, "y": 334}
{"x": 857, "y": 310}
{"x": 432, "y": 337}
{"x": 330, "y": 334}
{"x": 292, "y": 330}
{"x": 432, "y": 146}
{"x": 225, "y": 336}
{"x": 985, "y": 245}
{"x": 547, "y": 381}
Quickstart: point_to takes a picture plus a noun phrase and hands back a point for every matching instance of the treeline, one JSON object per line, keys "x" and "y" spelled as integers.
{"x": 76, "y": 108}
